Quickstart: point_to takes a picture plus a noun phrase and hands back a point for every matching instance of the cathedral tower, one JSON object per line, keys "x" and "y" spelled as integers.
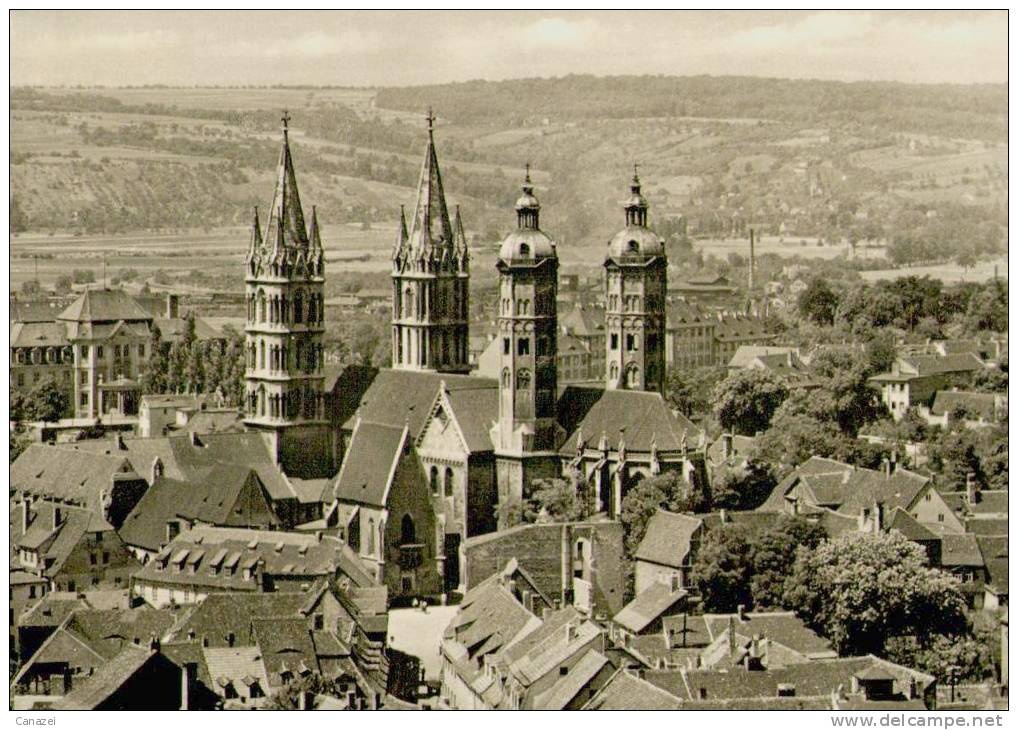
{"x": 430, "y": 280}
{"x": 526, "y": 432}
{"x": 636, "y": 285}
{"x": 284, "y": 281}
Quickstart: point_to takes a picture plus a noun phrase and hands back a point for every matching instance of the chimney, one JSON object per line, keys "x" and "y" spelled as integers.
{"x": 878, "y": 516}
{"x": 971, "y": 490}
{"x": 571, "y": 631}
{"x": 724, "y": 516}
{"x": 58, "y": 517}
{"x": 676, "y": 582}
{"x": 153, "y": 643}
{"x": 886, "y": 464}
{"x": 118, "y": 441}
{"x": 172, "y": 306}
{"x": 742, "y": 612}
{"x": 26, "y": 514}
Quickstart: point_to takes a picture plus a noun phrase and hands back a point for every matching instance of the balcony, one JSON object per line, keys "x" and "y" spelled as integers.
{"x": 411, "y": 556}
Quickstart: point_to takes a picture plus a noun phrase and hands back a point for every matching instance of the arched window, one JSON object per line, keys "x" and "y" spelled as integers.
{"x": 614, "y": 371}
{"x": 298, "y": 307}
{"x": 261, "y": 400}
{"x": 261, "y": 306}
{"x": 632, "y": 377}
{"x": 312, "y": 309}
{"x": 632, "y": 247}
{"x": 261, "y": 354}
{"x": 407, "y": 531}
{"x": 371, "y": 536}
{"x": 408, "y": 301}
{"x": 507, "y": 378}
{"x": 524, "y": 250}
{"x": 433, "y": 480}
{"x": 449, "y": 482}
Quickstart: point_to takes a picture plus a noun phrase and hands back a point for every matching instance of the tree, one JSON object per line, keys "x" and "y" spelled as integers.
{"x": 742, "y": 487}
{"x": 859, "y": 590}
{"x": 819, "y": 302}
{"x": 47, "y": 401}
{"x": 63, "y": 284}
{"x": 689, "y": 391}
{"x": 557, "y": 500}
{"x": 153, "y": 380}
{"x": 774, "y": 554}
{"x": 846, "y": 380}
{"x": 31, "y": 288}
{"x": 722, "y": 569}
{"x": 746, "y": 400}
{"x": 667, "y": 491}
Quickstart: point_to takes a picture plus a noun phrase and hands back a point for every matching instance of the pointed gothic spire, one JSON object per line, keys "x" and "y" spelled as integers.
{"x": 314, "y": 234}
{"x": 430, "y": 226}
{"x": 256, "y": 231}
{"x": 459, "y": 235}
{"x": 401, "y": 235}
{"x": 285, "y": 225}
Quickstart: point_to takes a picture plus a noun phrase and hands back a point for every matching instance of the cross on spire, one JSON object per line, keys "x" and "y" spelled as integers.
{"x": 286, "y": 119}
{"x": 528, "y": 172}
{"x": 636, "y": 171}
{"x": 431, "y": 120}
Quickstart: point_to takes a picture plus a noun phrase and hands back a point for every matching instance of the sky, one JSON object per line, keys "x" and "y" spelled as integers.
{"x": 385, "y": 48}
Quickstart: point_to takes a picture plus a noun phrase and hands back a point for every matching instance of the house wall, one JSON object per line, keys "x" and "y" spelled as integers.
{"x": 930, "y": 508}
{"x": 100, "y": 559}
{"x": 409, "y": 496}
{"x": 647, "y": 574}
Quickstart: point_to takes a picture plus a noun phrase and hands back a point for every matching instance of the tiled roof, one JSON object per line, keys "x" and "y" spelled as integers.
{"x": 61, "y": 473}
{"x": 784, "y": 627}
{"x": 52, "y": 610}
{"x": 173, "y": 330}
{"x": 219, "y": 420}
{"x": 489, "y": 618}
{"x": 687, "y": 631}
{"x": 746, "y": 354}
{"x": 105, "y": 305}
{"x": 987, "y": 503}
{"x": 286, "y": 554}
{"x": 35, "y": 311}
{"x": 682, "y": 313}
{"x": 222, "y": 614}
{"x": 986, "y": 525}
{"x": 582, "y": 322}
{"x": 977, "y": 405}
{"x": 566, "y": 688}
{"x": 645, "y": 417}
{"x": 904, "y": 523}
{"x": 475, "y": 410}
{"x": 668, "y": 539}
{"x": 404, "y": 397}
{"x": 740, "y": 447}
{"x": 648, "y": 606}
{"x": 960, "y": 550}
{"x": 107, "y": 631}
{"x": 109, "y": 677}
{"x": 370, "y": 462}
{"x": 286, "y": 645}
{"x": 627, "y": 692}
{"x": 38, "y": 334}
{"x": 867, "y": 486}
{"x": 54, "y": 545}
{"x": 233, "y": 665}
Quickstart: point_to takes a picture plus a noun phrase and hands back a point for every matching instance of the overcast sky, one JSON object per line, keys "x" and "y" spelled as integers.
{"x": 391, "y": 48}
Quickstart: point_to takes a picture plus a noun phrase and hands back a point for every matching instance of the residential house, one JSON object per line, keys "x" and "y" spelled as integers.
{"x": 667, "y": 551}
{"x": 974, "y": 410}
{"x": 586, "y": 324}
{"x": 204, "y": 560}
{"x": 138, "y": 678}
{"x": 732, "y": 333}
{"x": 690, "y": 337}
{"x": 915, "y": 379}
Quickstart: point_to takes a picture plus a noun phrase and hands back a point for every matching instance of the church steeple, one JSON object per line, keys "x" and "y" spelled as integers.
{"x": 431, "y": 230}
{"x": 285, "y": 227}
{"x": 636, "y": 206}
{"x": 431, "y": 278}
{"x": 285, "y": 326}
{"x": 527, "y": 207}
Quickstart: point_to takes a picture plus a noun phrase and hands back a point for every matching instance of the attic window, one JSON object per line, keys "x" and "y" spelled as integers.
{"x": 524, "y": 250}
{"x": 633, "y": 247}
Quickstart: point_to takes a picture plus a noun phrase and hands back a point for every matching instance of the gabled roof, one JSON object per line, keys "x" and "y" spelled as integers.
{"x": 783, "y": 627}
{"x": 405, "y": 397}
{"x": 960, "y": 551}
{"x": 370, "y": 463}
{"x": 644, "y": 416}
{"x": 668, "y": 539}
{"x": 648, "y": 606}
{"x": 53, "y": 545}
{"x": 104, "y": 305}
{"x": 234, "y": 665}
{"x": 110, "y": 677}
{"x": 625, "y": 691}
{"x": 489, "y": 618}
{"x": 566, "y": 688}
{"x": 67, "y": 475}
{"x": 907, "y": 525}
{"x": 475, "y": 411}
{"x": 286, "y": 645}
{"x": 978, "y": 405}
{"x": 106, "y": 631}
{"x": 582, "y": 322}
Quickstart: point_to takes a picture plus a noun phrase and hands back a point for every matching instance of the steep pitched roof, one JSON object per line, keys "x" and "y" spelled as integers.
{"x": 566, "y": 688}
{"x": 982, "y": 405}
{"x": 285, "y": 226}
{"x": 54, "y": 544}
{"x": 64, "y": 474}
{"x": 627, "y": 692}
{"x": 370, "y": 463}
{"x": 868, "y": 486}
{"x": 582, "y": 322}
{"x": 489, "y": 618}
{"x": 668, "y": 538}
{"x": 399, "y": 397}
{"x": 235, "y": 665}
{"x": 110, "y": 677}
{"x": 783, "y": 627}
{"x": 960, "y": 550}
{"x": 286, "y": 645}
{"x": 648, "y": 606}
{"x": 107, "y": 631}
{"x": 475, "y": 411}
{"x": 104, "y": 305}
{"x": 645, "y": 417}
{"x": 907, "y": 525}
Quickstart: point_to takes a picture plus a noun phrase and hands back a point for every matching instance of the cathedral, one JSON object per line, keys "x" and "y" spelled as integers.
{"x": 420, "y": 456}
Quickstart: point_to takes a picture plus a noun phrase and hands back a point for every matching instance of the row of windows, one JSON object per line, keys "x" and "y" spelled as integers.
{"x": 308, "y": 357}
{"x": 436, "y": 484}
{"x": 36, "y": 377}
{"x": 306, "y": 403}
{"x": 41, "y": 355}
{"x": 633, "y": 341}
{"x": 278, "y": 309}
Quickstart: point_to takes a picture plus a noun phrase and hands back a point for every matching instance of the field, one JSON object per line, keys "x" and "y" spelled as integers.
{"x": 163, "y": 180}
{"x": 948, "y": 273}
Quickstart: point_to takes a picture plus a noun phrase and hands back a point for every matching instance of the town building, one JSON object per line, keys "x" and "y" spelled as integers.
{"x": 915, "y": 379}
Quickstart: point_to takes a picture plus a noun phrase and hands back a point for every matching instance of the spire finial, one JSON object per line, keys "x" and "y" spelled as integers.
{"x": 286, "y": 121}
{"x": 431, "y": 120}
{"x": 636, "y": 173}
{"x": 528, "y": 172}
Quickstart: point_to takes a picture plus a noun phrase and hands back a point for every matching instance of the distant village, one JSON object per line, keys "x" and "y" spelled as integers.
{"x": 519, "y": 513}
